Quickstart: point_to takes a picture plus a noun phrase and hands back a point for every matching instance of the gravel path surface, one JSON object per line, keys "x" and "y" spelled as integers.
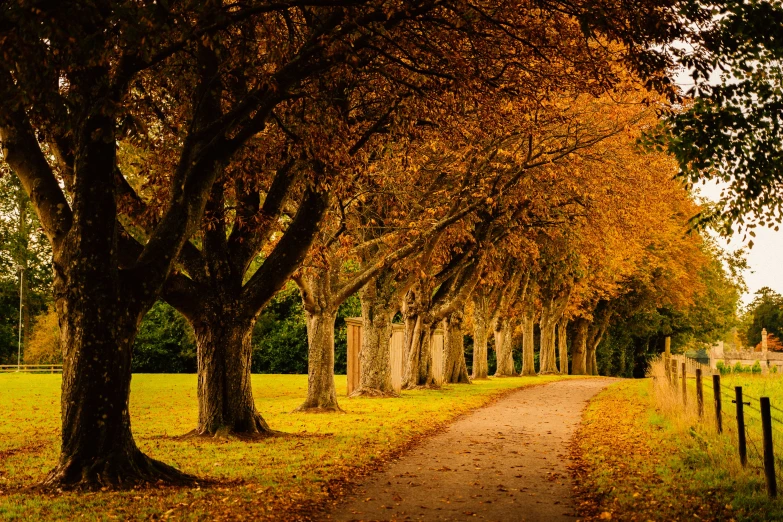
{"x": 506, "y": 461}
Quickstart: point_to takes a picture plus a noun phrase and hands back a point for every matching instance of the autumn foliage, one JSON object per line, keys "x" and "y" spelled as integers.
{"x": 436, "y": 157}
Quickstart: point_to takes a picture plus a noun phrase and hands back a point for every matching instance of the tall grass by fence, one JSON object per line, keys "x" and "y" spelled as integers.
{"x": 729, "y": 410}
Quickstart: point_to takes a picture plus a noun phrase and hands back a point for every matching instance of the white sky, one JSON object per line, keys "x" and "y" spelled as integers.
{"x": 765, "y": 258}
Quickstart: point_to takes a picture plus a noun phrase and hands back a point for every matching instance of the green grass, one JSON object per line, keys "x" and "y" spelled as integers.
{"x": 259, "y": 479}
{"x": 644, "y": 458}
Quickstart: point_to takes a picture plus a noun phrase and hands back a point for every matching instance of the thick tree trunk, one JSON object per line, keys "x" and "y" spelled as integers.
{"x": 562, "y": 344}
{"x": 225, "y": 394}
{"x": 418, "y": 354}
{"x": 99, "y": 309}
{"x": 547, "y": 351}
{"x": 591, "y": 367}
{"x": 321, "y": 393}
{"x": 375, "y": 378}
{"x": 97, "y": 334}
{"x": 455, "y": 370}
{"x": 579, "y": 347}
{"x": 528, "y": 345}
{"x": 480, "y": 335}
{"x": 503, "y": 348}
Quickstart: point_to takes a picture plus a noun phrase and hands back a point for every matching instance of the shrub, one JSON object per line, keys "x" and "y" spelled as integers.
{"x": 756, "y": 368}
{"x": 43, "y": 347}
{"x": 165, "y": 343}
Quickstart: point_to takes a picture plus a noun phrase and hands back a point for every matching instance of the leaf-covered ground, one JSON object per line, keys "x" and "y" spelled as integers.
{"x": 288, "y": 477}
{"x": 634, "y": 463}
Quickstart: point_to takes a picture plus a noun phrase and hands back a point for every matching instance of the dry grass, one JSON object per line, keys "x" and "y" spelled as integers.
{"x": 646, "y": 456}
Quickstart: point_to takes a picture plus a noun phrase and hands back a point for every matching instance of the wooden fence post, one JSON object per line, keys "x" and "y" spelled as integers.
{"x": 716, "y": 392}
{"x": 741, "y": 443}
{"x": 699, "y": 394}
{"x": 684, "y": 388}
{"x": 769, "y": 455}
{"x": 666, "y": 367}
{"x": 674, "y": 374}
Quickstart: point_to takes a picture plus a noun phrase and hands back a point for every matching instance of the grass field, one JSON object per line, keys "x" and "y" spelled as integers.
{"x": 640, "y": 457}
{"x": 282, "y": 477}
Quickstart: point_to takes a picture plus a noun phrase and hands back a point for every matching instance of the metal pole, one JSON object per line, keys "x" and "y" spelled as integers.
{"x": 699, "y": 393}
{"x": 684, "y": 387}
{"x": 21, "y": 306}
{"x": 769, "y": 456}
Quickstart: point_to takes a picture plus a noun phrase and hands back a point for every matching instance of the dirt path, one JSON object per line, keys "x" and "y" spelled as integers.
{"x": 502, "y": 462}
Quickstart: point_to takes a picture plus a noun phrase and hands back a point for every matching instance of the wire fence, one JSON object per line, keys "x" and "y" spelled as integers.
{"x": 31, "y": 368}
{"x": 752, "y": 424}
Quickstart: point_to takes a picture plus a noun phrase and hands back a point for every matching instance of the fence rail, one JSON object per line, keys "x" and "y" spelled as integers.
{"x": 753, "y": 424}
{"x": 31, "y": 368}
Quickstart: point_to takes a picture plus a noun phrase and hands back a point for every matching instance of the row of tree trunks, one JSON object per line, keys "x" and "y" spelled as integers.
{"x": 455, "y": 369}
{"x": 418, "y": 370}
{"x": 528, "y": 345}
{"x": 480, "y": 336}
{"x": 579, "y": 347}
{"x": 504, "y": 348}
{"x": 562, "y": 344}
{"x": 378, "y": 310}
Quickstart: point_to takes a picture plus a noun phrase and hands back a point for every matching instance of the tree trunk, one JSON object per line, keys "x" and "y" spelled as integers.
{"x": 528, "y": 345}
{"x": 503, "y": 348}
{"x": 480, "y": 334}
{"x": 562, "y": 344}
{"x": 579, "y": 348}
{"x": 378, "y": 312}
{"x": 97, "y": 334}
{"x": 591, "y": 367}
{"x": 321, "y": 393}
{"x": 225, "y": 394}
{"x": 418, "y": 354}
{"x": 547, "y": 351}
{"x": 455, "y": 370}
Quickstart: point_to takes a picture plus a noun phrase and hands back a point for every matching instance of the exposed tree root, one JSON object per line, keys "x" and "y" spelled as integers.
{"x": 374, "y": 392}
{"x": 431, "y": 386}
{"x": 304, "y": 408}
{"x": 225, "y": 433}
{"x": 121, "y": 470}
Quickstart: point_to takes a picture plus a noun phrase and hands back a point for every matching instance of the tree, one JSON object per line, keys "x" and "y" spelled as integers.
{"x": 165, "y": 343}
{"x": 43, "y": 346}
{"x": 80, "y": 77}
{"x": 765, "y": 312}
{"x": 25, "y": 263}
{"x": 730, "y": 131}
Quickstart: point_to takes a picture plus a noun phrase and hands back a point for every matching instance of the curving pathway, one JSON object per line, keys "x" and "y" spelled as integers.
{"x": 507, "y": 461}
